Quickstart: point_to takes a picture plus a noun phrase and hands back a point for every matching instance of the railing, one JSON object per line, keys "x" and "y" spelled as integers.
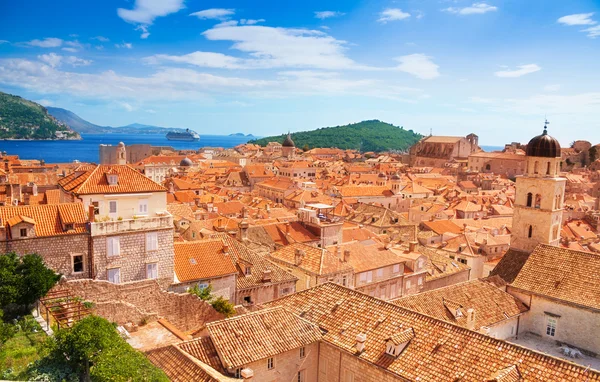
{"x": 128, "y": 225}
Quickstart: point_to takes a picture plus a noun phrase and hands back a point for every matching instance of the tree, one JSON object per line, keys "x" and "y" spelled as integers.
{"x": 202, "y": 293}
{"x": 25, "y": 279}
{"x": 93, "y": 349}
{"x": 219, "y": 304}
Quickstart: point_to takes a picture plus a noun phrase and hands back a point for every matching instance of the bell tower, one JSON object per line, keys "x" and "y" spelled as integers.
{"x": 540, "y": 194}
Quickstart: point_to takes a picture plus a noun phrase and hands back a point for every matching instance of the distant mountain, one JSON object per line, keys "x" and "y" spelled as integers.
{"x": 24, "y": 119}
{"x": 241, "y": 135}
{"x": 373, "y": 135}
{"x": 82, "y": 126}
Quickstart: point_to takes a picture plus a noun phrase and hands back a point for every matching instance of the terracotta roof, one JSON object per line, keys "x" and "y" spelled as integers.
{"x": 441, "y": 139}
{"x": 318, "y": 261}
{"x": 562, "y": 274}
{"x": 357, "y": 191}
{"x": 52, "y": 196}
{"x": 443, "y": 226}
{"x": 509, "y": 267}
{"x": 254, "y": 336}
{"x": 204, "y": 350}
{"x": 93, "y": 180}
{"x": 203, "y": 259}
{"x": 48, "y": 218}
{"x": 491, "y": 304}
{"x": 439, "y": 351}
{"x": 365, "y": 257}
{"x": 177, "y": 365}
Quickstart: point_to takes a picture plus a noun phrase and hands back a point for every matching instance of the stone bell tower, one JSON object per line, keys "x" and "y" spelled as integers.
{"x": 539, "y": 196}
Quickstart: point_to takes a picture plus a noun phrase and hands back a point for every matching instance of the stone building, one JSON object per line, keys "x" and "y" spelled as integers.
{"x": 539, "y": 197}
{"x": 501, "y": 163}
{"x": 436, "y": 151}
{"x": 288, "y": 148}
{"x": 131, "y": 230}
{"x": 56, "y": 232}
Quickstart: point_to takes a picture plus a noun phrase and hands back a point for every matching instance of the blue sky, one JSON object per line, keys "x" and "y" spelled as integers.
{"x": 496, "y": 68}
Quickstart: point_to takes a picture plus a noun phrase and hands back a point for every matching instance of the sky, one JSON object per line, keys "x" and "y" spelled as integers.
{"x": 496, "y": 68}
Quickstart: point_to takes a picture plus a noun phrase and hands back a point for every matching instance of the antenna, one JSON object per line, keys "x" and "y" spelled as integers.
{"x": 430, "y": 131}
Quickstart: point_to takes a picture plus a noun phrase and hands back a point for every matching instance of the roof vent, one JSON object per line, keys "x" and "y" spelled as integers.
{"x": 361, "y": 338}
{"x": 193, "y": 261}
{"x": 267, "y": 275}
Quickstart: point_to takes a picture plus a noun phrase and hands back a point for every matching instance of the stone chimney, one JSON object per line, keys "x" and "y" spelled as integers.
{"x": 298, "y": 256}
{"x": 225, "y": 247}
{"x": 247, "y": 374}
{"x": 34, "y": 189}
{"x": 361, "y": 338}
{"x": 471, "y": 319}
{"x": 266, "y": 276}
{"x": 171, "y": 188}
{"x": 412, "y": 246}
{"x": 243, "y": 226}
{"x": 287, "y": 228}
{"x": 338, "y": 250}
{"x": 91, "y": 216}
{"x": 346, "y": 255}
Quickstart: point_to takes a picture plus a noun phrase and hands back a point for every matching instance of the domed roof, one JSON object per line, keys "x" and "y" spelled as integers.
{"x": 396, "y": 176}
{"x": 543, "y": 146}
{"x": 382, "y": 175}
{"x": 288, "y": 141}
{"x": 186, "y": 162}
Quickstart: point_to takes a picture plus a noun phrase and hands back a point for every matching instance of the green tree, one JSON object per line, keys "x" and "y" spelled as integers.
{"x": 24, "y": 279}
{"x": 203, "y": 293}
{"x": 219, "y": 304}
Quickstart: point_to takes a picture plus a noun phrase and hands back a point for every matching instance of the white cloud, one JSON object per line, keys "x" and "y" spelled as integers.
{"x": 4, "y": 41}
{"x": 202, "y": 59}
{"x": 392, "y": 14}
{"x": 127, "y": 106}
{"x": 214, "y": 13}
{"x": 145, "y": 12}
{"x": 552, "y": 88}
{"x": 44, "y": 102}
{"x": 521, "y": 71}
{"x": 228, "y": 23}
{"x": 127, "y": 45}
{"x": 54, "y": 60}
{"x": 327, "y": 14}
{"x": 577, "y": 19}
{"x": 271, "y": 47}
{"x": 72, "y": 50}
{"x": 593, "y": 32}
{"x": 251, "y": 21}
{"x": 419, "y": 65}
{"x": 49, "y": 42}
{"x": 101, "y": 39}
{"x": 474, "y": 9}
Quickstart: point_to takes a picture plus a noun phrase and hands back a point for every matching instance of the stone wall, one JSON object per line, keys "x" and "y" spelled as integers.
{"x": 130, "y": 302}
{"x": 133, "y": 256}
{"x": 287, "y": 365}
{"x": 55, "y": 250}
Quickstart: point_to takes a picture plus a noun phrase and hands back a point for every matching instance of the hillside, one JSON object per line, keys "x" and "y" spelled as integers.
{"x": 82, "y": 126}
{"x": 371, "y": 135}
{"x": 24, "y": 119}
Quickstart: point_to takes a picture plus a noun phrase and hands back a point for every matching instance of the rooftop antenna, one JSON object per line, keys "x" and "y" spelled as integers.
{"x": 430, "y": 131}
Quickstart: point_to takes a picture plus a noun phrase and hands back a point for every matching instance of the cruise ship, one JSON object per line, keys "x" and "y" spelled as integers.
{"x": 188, "y": 135}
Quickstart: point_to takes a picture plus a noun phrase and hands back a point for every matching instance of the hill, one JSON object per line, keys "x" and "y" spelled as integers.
{"x": 372, "y": 135}
{"x": 82, "y": 126}
{"x": 24, "y": 119}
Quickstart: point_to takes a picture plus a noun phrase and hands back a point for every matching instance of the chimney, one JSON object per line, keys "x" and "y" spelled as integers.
{"x": 225, "y": 248}
{"x": 247, "y": 374}
{"x": 338, "y": 249}
{"x": 360, "y": 342}
{"x": 471, "y": 319}
{"x": 244, "y": 229}
{"x": 91, "y": 216}
{"x": 266, "y": 275}
{"x": 298, "y": 255}
{"x": 464, "y": 227}
{"x": 171, "y": 188}
{"x": 412, "y": 246}
{"x": 346, "y": 255}
{"x": 287, "y": 228}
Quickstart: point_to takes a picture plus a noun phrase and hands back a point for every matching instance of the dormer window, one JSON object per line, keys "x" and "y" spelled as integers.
{"x": 68, "y": 227}
{"x": 398, "y": 342}
{"x": 112, "y": 179}
{"x": 23, "y": 232}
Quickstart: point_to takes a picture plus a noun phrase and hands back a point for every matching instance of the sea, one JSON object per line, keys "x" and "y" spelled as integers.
{"x": 87, "y": 149}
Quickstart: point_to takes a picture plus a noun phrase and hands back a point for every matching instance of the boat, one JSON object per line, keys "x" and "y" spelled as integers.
{"x": 188, "y": 135}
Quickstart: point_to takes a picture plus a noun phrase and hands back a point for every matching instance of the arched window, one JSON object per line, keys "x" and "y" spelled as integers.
{"x": 530, "y": 233}
{"x": 529, "y": 199}
{"x": 548, "y": 169}
{"x": 488, "y": 167}
{"x": 538, "y": 201}
{"x": 536, "y": 166}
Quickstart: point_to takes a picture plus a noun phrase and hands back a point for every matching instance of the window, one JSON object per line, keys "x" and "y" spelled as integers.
{"x": 23, "y": 232}
{"x": 530, "y": 233}
{"x": 96, "y": 208}
{"x": 301, "y": 376}
{"x": 238, "y": 373}
{"x": 348, "y": 376}
{"x": 380, "y": 273}
{"x": 77, "y": 263}
{"x": 112, "y": 207}
{"x": 463, "y": 261}
{"x": 143, "y": 206}
{"x": 551, "y": 326}
{"x": 270, "y": 363}
{"x": 302, "y": 352}
{"x": 420, "y": 281}
{"x": 285, "y": 291}
{"x": 247, "y": 271}
{"x": 345, "y": 280}
{"x": 393, "y": 290}
{"x": 113, "y": 246}
{"x": 420, "y": 264}
{"x": 68, "y": 227}
{"x": 407, "y": 284}
{"x": 538, "y": 201}
{"x": 151, "y": 241}
{"x": 114, "y": 275}
{"x": 363, "y": 277}
{"x": 152, "y": 271}
{"x": 369, "y": 276}
{"x": 248, "y": 300}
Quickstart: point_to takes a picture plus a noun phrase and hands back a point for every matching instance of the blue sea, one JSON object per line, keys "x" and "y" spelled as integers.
{"x": 87, "y": 150}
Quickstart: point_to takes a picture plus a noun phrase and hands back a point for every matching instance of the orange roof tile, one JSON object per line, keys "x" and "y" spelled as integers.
{"x": 93, "y": 180}
{"x": 48, "y": 219}
{"x": 202, "y": 259}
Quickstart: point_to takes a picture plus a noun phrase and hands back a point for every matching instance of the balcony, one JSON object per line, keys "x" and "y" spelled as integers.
{"x": 130, "y": 225}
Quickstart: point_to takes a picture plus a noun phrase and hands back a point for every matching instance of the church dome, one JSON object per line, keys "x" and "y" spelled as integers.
{"x": 396, "y": 177}
{"x": 543, "y": 146}
{"x": 288, "y": 142}
{"x": 186, "y": 162}
{"x": 382, "y": 175}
